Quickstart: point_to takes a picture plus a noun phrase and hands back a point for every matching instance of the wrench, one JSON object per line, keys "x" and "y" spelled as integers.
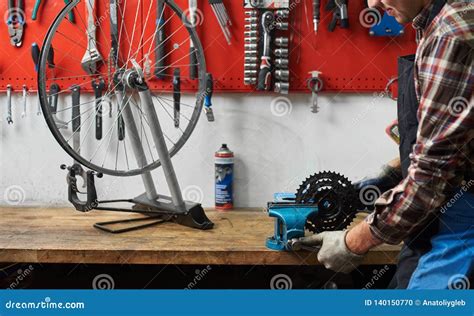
{"x": 265, "y": 74}
{"x": 98, "y": 86}
{"x": 53, "y": 103}
{"x": 192, "y": 49}
{"x": 176, "y": 96}
{"x": 24, "y": 95}
{"x": 92, "y": 55}
{"x": 9, "y": 104}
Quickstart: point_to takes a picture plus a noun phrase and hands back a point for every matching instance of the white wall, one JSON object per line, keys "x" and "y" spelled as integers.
{"x": 274, "y": 152}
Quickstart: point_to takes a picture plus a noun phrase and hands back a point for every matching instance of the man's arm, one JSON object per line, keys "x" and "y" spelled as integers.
{"x": 440, "y": 153}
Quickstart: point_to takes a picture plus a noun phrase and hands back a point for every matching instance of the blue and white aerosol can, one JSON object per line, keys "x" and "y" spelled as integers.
{"x": 224, "y": 166}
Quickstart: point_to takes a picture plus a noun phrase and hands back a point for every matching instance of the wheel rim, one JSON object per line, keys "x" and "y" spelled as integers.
{"x": 189, "y": 114}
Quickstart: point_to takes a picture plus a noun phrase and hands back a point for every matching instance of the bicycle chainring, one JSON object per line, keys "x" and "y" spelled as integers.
{"x": 335, "y": 197}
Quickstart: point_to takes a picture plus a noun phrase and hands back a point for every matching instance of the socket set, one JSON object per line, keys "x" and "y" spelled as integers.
{"x": 266, "y": 44}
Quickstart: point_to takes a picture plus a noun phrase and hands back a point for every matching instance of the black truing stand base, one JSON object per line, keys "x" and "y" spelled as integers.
{"x": 157, "y": 211}
{"x": 194, "y": 217}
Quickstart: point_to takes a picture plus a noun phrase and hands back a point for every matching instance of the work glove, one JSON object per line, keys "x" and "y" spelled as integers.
{"x": 333, "y": 254}
{"x": 369, "y": 189}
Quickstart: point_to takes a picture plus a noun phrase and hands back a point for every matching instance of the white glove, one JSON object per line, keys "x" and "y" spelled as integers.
{"x": 334, "y": 254}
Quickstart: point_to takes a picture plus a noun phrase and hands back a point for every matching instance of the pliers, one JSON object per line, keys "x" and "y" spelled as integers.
{"x": 16, "y": 21}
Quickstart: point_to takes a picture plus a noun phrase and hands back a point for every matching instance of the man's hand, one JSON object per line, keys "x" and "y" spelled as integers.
{"x": 334, "y": 254}
{"x": 369, "y": 189}
{"x": 342, "y": 251}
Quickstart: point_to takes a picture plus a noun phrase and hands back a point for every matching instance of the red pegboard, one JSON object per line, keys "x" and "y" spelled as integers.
{"x": 350, "y": 60}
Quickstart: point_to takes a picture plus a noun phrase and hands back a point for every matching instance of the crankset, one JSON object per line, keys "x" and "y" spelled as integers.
{"x": 324, "y": 201}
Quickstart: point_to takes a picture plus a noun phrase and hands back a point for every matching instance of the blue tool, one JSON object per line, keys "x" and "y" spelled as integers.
{"x": 388, "y": 26}
{"x": 290, "y": 221}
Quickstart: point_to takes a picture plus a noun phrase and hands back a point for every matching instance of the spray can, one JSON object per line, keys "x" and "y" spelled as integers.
{"x": 224, "y": 168}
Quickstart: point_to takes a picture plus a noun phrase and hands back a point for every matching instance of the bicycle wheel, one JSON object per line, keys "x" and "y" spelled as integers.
{"x": 83, "y": 101}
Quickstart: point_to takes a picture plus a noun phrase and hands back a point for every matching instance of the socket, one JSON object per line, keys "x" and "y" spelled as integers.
{"x": 281, "y": 63}
{"x": 282, "y": 87}
{"x": 281, "y": 52}
{"x": 282, "y": 75}
{"x": 281, "y": 41}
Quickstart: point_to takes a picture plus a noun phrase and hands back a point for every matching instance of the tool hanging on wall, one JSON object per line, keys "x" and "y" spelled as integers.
{"x": 176, "y": 96}
{"x": 208, "y": 98}
{"x": 316, "y": 14}
{"x": 222, "y": 18}
{"x": 16, "y": 21}
{"x": 53, "y": 103}
{"x": 24, "y": 95}
{"x": 315, "y": 85}
{"x": 34, "y": 14}
{"x": 98, "y": 86}
{"x": 160, "y": 36}
{"x": 92, "y": 56}
{"x": 270, "y": 18}
{"x": 339, "y": 14}
{"x": 251, "y": 49}
{"x": 9, "y": 105}
{"x": 71, "y": 13}
{"x": 264, "y": 75}
{"x": 192, "y": 50}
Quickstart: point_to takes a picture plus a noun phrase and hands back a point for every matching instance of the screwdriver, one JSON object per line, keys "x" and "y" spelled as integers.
{"x": 35, "y": 52}
{"x": 316, "y": 14}
{"x": 35, "y": 10}
{"x": 208, "y": 98}
{"x": 71, "y": 14}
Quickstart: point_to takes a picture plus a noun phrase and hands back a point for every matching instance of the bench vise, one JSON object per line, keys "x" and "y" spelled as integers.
{"x": 290, "y": 221}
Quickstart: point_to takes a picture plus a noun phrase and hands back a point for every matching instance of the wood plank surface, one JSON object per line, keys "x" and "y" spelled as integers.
{"x": 62, "y": 235}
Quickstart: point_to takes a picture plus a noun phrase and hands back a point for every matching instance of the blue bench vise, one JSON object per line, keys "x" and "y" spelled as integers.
{"x": 290, "y": 220}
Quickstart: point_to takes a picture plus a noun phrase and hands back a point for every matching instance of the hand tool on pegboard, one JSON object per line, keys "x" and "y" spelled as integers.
{"x": 340, "y": 15}
{"x": 176, "y": 96}
{"x": 268, "y": 18}
{"x": 16, "y": 21}
{"x": 265, "y": 71}
{"x": 192, "y": 50}
{"x": 316, "y": 14}
{"x": 315, "y": 85}
{"x": 9, "y": 117}
{"x": 160, "y": 35}
{"x": 71, "y": 17}
{"x": 92, "y": 56}
{"x": 34, "y": 14}
{"x": 53, "y": 97}
{"x": 98, "y": 85}
{"x": 24, "y": 95}
{"x": 251, "y": 48}
{"x": 222, "y": 16}
{"x": 281, "y": 72}
{"x": 208, "y": 98}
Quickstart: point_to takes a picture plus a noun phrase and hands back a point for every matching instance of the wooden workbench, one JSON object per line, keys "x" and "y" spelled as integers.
{"x": 66, "y": 236}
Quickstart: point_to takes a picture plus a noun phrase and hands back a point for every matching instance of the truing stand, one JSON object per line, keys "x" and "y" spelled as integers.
{"x": 156, "y": 207}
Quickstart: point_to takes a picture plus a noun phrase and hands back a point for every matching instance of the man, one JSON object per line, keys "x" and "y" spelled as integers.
{"x": 430, "y": 208}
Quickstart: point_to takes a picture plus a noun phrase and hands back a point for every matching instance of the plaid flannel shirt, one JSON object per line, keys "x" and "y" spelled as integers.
{"x": 444, "y": 149}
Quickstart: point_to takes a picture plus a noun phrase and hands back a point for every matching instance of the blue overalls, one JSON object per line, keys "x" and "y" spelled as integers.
{"x": 441, "y": 255}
